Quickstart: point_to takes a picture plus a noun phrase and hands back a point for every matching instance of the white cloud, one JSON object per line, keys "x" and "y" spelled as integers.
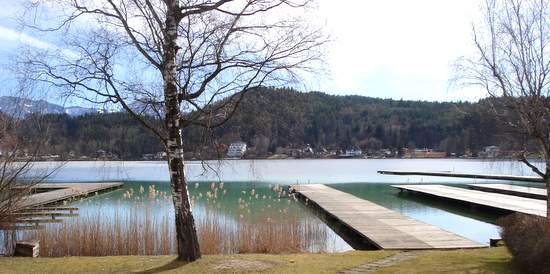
{"x": 397, "y": 48}
{"x": 11, "y": 35}
{"x": 17, "y": 38}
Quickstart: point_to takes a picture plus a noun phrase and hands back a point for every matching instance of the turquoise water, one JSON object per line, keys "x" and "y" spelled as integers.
{"x": 254, "y": 182}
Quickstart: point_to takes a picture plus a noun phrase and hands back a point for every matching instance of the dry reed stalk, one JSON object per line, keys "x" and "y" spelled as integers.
{"x": 137, "y": 230}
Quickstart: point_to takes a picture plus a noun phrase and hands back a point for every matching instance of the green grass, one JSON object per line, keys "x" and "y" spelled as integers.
{"x": 290, "y": 263}
{"x": 495, "y": 260}
{"x": 490, "y": 260}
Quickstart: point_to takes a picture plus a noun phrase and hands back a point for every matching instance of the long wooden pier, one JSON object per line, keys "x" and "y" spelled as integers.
{"x": 497, "y": 201}
{"x": 49, "y": 193}
{"x": 522, "y": 191}
{"x": 381, "y": 227}
{"x": 533, "y": 179}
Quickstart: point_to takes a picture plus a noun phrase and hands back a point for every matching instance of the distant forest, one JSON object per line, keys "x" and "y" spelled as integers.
{"x": 269, "y": 118}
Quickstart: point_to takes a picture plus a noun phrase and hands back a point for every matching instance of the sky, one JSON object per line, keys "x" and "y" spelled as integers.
{"x": 398, "y": 49}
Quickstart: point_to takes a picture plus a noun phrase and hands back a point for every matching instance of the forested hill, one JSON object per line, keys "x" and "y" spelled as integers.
{"x": 270, "y": 118}
{"x": 287, "y": 118}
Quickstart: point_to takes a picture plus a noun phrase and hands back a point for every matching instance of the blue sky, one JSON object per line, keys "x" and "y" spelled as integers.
{"x": 390, "y": 49}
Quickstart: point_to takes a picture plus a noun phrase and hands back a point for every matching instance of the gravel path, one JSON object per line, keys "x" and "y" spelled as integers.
{"x": 384, "y": 262}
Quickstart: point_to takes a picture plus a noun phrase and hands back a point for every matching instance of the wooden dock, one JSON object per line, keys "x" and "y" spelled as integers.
{"x": 49, "y": 193}
{"x": 522, "y": 191}
{"x": 382, "y": 227}
{"x": 39, "y": 207}
{"x": 497, "y": 201}
{"x": 533, "y": 179}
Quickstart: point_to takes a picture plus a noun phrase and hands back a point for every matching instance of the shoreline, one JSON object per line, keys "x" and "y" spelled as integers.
{"x": 281, "y": 159}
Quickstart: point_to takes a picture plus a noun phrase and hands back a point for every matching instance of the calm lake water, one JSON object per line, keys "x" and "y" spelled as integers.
{"x": 255, "y": 180}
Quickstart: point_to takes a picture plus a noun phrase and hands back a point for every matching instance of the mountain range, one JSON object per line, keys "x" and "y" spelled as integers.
{"x": 17, "y": 106}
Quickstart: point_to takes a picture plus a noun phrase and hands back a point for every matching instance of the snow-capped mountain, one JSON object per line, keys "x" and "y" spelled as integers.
{"x": 21, "y": 107}
{"x": 77, "y": 111}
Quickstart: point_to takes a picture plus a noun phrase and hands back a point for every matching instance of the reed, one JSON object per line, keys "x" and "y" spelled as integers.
{"x": 143, "y": 228}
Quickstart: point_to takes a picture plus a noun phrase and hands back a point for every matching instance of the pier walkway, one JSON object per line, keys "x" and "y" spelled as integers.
{"x": 39, "y": 207}
{"x": 49, "y": 193}
{"x": 497, "y": 201}
{"x": 533, "y": 179}
{"x": 522, "y": 191}
{"x": 381, "y": 227}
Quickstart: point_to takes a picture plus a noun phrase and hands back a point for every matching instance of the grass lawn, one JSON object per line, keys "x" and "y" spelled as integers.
{"x": 490, "y": 260}
{"x": 495, "y": 260}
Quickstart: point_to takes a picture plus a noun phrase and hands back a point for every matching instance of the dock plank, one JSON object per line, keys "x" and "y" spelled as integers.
{"x": 64, "y": 191}
{"x": 493, "y": 200}
{"x": 522, "y": 191}
{"x": 383, "y": 227}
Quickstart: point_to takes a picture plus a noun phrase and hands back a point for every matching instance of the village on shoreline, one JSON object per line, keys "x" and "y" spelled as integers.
{"x": 240, "y": 150}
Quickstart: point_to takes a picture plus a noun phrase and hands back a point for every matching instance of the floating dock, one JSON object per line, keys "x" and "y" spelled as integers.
{"x": 522, "y": 191}
{"x": 502, "y": 202}
{"x": 49, "y": 193}
{"x": 532, "y": 179}
{"x": 382, "y": 228}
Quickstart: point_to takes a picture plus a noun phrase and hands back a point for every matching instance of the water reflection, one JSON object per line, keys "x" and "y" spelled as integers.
{"x": 283, "y": 171}
{"x": 241, "y": 177}
{"x": 475, "y": 225}
{"x": 234, "y": 203}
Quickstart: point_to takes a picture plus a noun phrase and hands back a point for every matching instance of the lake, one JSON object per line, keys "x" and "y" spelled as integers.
{"x": 247, "y": 187}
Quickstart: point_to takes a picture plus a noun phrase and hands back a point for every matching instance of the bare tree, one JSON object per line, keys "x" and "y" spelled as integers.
{"x": 188, "y": 62}
{"x": 12, "y": 189}
{"x": 17, "y": 178}
{"x": 513, "y": 66}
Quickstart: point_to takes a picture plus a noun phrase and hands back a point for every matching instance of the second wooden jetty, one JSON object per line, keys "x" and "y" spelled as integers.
{"x": 533, "y": 179}
{"x": 522, "y": 191}
{"x": 50, "y": 193}
{"x": 36, "y": 209}
{"x": 497, "y": 201}
{"x": 382, "y": 227}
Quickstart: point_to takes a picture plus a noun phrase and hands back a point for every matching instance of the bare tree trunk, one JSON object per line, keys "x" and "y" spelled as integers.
{"x": 547, "y": 182}
{"x": 545, "y": 148}
{"x": 186, "y": 234}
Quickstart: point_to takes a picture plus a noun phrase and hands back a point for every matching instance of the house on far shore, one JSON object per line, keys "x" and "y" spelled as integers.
{"x": 424, "y": 153}
{"x": 354, "y": 152}
{"x": 490, "y": 152}
{"x": 236, "y": 150}
{"x": 161, "y": 155}
{"x": 148, "y": 156}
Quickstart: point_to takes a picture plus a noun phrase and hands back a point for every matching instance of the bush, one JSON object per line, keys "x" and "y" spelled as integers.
{"x": 528, "y": 239}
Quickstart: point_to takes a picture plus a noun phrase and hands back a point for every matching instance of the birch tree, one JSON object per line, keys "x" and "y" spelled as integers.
{"x": 513, "y": 66}
{"x": 187, "y": 62}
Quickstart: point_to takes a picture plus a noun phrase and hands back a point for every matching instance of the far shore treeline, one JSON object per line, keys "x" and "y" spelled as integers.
{"x": 269, "y": 119}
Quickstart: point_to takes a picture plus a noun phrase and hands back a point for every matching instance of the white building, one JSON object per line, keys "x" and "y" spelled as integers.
{"x": 354, "y": 152}
{"x": 491, "y": 152}
{"x": 308, "y": 149}
{"x": 236, "y": 150}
